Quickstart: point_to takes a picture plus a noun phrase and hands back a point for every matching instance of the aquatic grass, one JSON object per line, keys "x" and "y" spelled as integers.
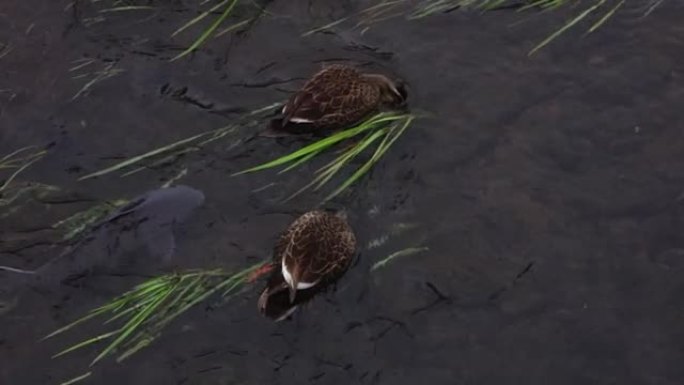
{"x": 163, "y": 154}
{"x": 401, "y": 253}
{"x": 395, "y": 230}
{"x": 126, "y": 8}
{"x": 592, "y": 10}
{"x": 77, "y": 379}
{"x": 207, "y": 10}
{"x": 138, "y": 317}
{"x": 384, "y": 127}
{"x": 76, "y": 224}
{"x": 108, "y": 71}
{"x": 160, "y": 151}
{"x": 18, "y": 161}
{"x": 12, "y": 165}
{"x": 5, "y": 49}
{"x": 228, "y": 6}
{"x": 597, "y": 8}
{"x": 600, "y": 11}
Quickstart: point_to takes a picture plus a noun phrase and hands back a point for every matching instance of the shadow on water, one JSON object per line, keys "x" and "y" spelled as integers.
{"x": 548, "y": 190}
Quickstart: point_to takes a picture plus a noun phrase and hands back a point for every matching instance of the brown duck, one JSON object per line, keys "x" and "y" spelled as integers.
{"x": 316, "y": 249}
{"x": 336, "y": 97}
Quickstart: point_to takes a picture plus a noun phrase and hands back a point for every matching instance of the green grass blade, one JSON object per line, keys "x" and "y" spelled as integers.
{"x": 390, "y": 138}
{"x": 233, "y": 27}
{"x": 400, "y": 253}
{"x": 16, "y": 152}
{"x": 137, "y": 306}
{"x": 326, "y": 172}
{"x": 325, "y": 143}
{"x": 144, "y": 156}
{"x": 354, "y": 150}
{"x": 300, "y": 161}
{"x": 605, "y": 17}
{"x": 199, "y": 18}
{"x": 325, "y": 27}
{"x": 314, "y": 147}
{"x": 567, "y": 26}
{"x": 126, "y": 8}
{"x": 26, "y": 165}
{"x": 77, "y": 379}
{"x": 208, "y": 32}
{"x": 93, "y": 313}
{"x": 86, "y": 343}
{"x": 141, "y": 344}
{"x": 349, "y": 155}
{"x": 131, "y": 326}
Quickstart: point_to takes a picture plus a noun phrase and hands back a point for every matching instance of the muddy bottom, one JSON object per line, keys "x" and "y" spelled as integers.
{"x": 548, "y": 189}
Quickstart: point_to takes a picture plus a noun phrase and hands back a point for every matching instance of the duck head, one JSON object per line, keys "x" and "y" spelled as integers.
{"x": 392, "y": 92}
{"x": 276, "y": 300}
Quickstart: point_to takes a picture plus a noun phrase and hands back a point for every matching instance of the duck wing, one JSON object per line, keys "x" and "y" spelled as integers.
{"x": 330, "y": 250}
{"x": 281, "y": 245}
{"x": 357, "y": 103}
{"x": 324, "y": 94}
{"x": 317, "y": 245}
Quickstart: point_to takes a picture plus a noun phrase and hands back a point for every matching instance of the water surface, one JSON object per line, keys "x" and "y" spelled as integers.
{"x": 548, "y": 189}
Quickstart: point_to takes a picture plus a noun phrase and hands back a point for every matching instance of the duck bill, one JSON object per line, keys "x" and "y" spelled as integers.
{"x": 293, "y": 294}
{"x": 263, "y": 300}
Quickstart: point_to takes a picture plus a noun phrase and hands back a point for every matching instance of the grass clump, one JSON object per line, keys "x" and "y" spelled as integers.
{"x": 219, "y": 11}
{"x": 18, "y": 161}
{"x": 381, "y": 131}
{"x": 166, "y": 153}
{"x": 95, "y": 76}
{"x": 11, "y": 166}
{"x": 137, "y": 317}
{"x": 75, "y": 225}
{"x": 598, "y": 12}
{"x": 225, "y": 6}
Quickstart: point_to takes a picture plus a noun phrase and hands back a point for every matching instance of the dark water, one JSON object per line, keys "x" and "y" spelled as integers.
{"x": 548, "y": 189}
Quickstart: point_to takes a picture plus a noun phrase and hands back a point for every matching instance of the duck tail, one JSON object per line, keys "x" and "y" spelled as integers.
{"x": 277, "y": 128}
{"x": 274, "y": 129}
{"x": 276, "y": 124}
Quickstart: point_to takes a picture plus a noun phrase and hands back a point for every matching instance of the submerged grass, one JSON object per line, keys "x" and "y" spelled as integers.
{"x": 77, "y": 379}
{"x": 11, "y": 166}
{"x": 218, "y": 11}
{"x": 226, "y": 5}
{"x": 17, "y": 162}
{"x": 134, "y": 320}
{"x": 108, "y": 71}
{"x": 137, "y": 317}
{"x": 382, "y": 130}
{"x": 75, "y": 225}
{"x": 598, "y": 12}
{"x": 164, "y": 153}
{"x": 401, "y": 253}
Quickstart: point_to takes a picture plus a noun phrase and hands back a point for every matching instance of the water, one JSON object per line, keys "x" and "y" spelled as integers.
{"x": 548, "y": 190}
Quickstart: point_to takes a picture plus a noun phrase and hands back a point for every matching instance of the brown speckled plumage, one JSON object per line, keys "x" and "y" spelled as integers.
{"x": 339, "y": 96}
{"x": 317, "y": 248}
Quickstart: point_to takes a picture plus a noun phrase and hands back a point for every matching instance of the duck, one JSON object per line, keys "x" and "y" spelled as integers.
{"x": 337, "y": 96}
{"x": 314, "y": 251}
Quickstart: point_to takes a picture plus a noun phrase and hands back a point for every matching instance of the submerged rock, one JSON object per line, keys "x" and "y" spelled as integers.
{"x": 152, "y": 216}
{"x": 148, "y": 220}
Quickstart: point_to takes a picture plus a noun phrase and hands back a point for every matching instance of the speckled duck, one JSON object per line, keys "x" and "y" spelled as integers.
{"x": 316, "y": 249}
{"x": 338, "y": 96}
